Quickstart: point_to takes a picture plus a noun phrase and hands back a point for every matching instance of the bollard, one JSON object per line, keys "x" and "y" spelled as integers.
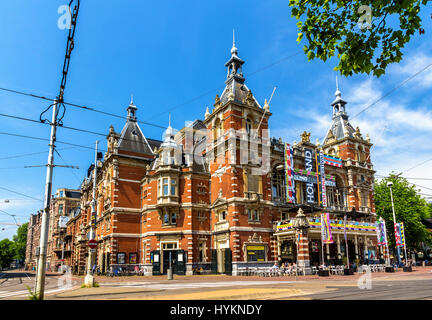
{"x": 170, "y": 275}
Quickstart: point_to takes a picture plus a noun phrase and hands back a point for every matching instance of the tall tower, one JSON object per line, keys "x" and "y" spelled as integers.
{"x": 344, "y": 141}
{"x": 237, "y": 153}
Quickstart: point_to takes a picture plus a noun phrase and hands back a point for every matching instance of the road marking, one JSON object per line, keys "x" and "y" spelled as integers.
{"x": 176, "y": 286}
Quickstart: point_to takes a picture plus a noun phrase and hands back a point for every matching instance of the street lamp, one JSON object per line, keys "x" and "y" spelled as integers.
{"x": 390, "y": 184}
{"x": 301, "y": 225}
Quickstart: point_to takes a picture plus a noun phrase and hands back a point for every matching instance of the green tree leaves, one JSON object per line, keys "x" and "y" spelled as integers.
{"x": 410, "y": 208}
{"x": 7, "y": 252}
{"x": 20, "y": 240}
{"x": 331, "y": 27}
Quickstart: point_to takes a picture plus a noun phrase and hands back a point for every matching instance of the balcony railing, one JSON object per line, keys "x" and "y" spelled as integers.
{"x": 253, "y": 195}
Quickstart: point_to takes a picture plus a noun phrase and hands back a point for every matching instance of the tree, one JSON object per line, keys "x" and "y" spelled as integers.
{"x": 365, "y": 35}
{"x": 410, "y": 208}
{"x": 20, "y": 240}
{"x": 7, "y": 252}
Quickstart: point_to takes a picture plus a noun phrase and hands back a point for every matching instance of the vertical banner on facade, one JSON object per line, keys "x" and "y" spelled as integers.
{"x": 289, "y": 178}
{"x": 382, "y": 234}
{"x": 398, "y": 234}
{"x": 322, "y": 195}
{"x": 326, "y": 234}
{"x": 310, "y": 193}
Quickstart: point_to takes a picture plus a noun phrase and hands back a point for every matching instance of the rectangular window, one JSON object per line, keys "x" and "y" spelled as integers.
{"x": 165, "y": 186}
{"x": 252, "y": 183}
{"x": 166, "y": 219}
{"x": 253, "y": 215}
{"x": 173, "y": 218}
{"x": 173, "y": 187}
{"x": 60, "y": 209}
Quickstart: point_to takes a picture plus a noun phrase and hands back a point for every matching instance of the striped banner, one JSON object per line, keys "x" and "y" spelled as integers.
{"x": 321, "y": 179}
{"x": 332, "y": 161}
{"x": 289, "y": 179}
{"x": 398, "y": 234}
{"x": 382, "y": 234}
{"x": 334, "y": 225}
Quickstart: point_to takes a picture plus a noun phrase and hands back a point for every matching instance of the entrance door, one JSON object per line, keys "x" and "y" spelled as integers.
{"x": 167, "y": 255}
{"x": 181, "y": 262}
{"x": 155, "y": 257}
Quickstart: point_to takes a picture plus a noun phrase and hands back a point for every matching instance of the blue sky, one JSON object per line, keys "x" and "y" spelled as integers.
{"x": 168, "y": 54}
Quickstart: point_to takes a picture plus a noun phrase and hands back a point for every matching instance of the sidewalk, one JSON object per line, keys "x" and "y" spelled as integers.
{"x": 417, "y": 271}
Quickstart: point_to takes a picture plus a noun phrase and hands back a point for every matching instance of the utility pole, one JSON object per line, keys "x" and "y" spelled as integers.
{"x": 40, "y": 277}
{"x": 390, "y": 184}
{"x": 89, "y": 279}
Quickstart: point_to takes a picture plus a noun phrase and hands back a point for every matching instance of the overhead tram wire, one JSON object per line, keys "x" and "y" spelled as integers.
{"x": 65, "y": 127}
{"x": 168, "y": 110}
{"x": 44, "y": 139}
{"x": 21, "y": 194}
{"x": 392, "y": 90}
{"x": 81, "y": 107}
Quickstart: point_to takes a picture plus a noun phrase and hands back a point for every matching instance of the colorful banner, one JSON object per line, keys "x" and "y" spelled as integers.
{"x": 310, "y": 192}
{"x": 326, "y": 235}
{"x": 398, "y": 234}
{"x": 334, "y": 225}
{"x": 332, "y": 161}
{"x": 321, "y": 181}
{"x": 402, "y": 235}
{"x": 289, "y": 179}
{"x": 382, "y": 234}
{"x": 345, "y": 234}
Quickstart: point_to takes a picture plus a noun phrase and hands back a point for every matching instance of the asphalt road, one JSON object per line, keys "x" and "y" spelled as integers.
{"x": 380, "y": 290}
{"x": 407, "y": 286}
{"x": 13, "y": 284}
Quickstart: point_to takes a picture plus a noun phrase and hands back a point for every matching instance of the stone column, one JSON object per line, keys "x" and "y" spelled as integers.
{"x": 328, "y": 251}
{"x": 303, "y": 253}
{"x": 279, "y": 257}
{"x": 365, "y": 248}
{"x": 356, "y": 247}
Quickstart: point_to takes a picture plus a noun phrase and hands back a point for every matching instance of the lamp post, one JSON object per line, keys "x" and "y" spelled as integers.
{"x": 390, "y": 184}
{"x": 301, "y": 226}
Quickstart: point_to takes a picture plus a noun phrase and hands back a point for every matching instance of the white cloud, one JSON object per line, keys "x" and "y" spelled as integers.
{"x": 414, "y": 64}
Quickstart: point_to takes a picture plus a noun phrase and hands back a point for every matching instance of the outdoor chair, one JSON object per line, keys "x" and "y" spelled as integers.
{"x": 314, "y": 270}
{"x": 241, "y": 271}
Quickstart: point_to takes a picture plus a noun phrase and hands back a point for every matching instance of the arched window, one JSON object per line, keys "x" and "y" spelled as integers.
{"x": 248, "y": 126}
{"x": 360, "y": 154}
{"x": 217, "y": 129}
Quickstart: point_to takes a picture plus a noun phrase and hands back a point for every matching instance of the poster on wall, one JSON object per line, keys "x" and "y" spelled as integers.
{"x": 310, "y": 193}
{"x": 121, "y": 258}
{"x": 289, "y": 179}
{"x": 326, "y": 234}
{"x": 132, "y": 258}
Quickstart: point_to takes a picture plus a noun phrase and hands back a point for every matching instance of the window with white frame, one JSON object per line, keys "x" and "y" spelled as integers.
{"x": 222, "y": 215}
{"x": 169, "y": 218}
{"x": 253, "y": 215}
{"x": 167, "y": 186}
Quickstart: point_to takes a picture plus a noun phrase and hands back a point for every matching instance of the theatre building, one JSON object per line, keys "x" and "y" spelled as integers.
{"x": 221, "y": 194}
